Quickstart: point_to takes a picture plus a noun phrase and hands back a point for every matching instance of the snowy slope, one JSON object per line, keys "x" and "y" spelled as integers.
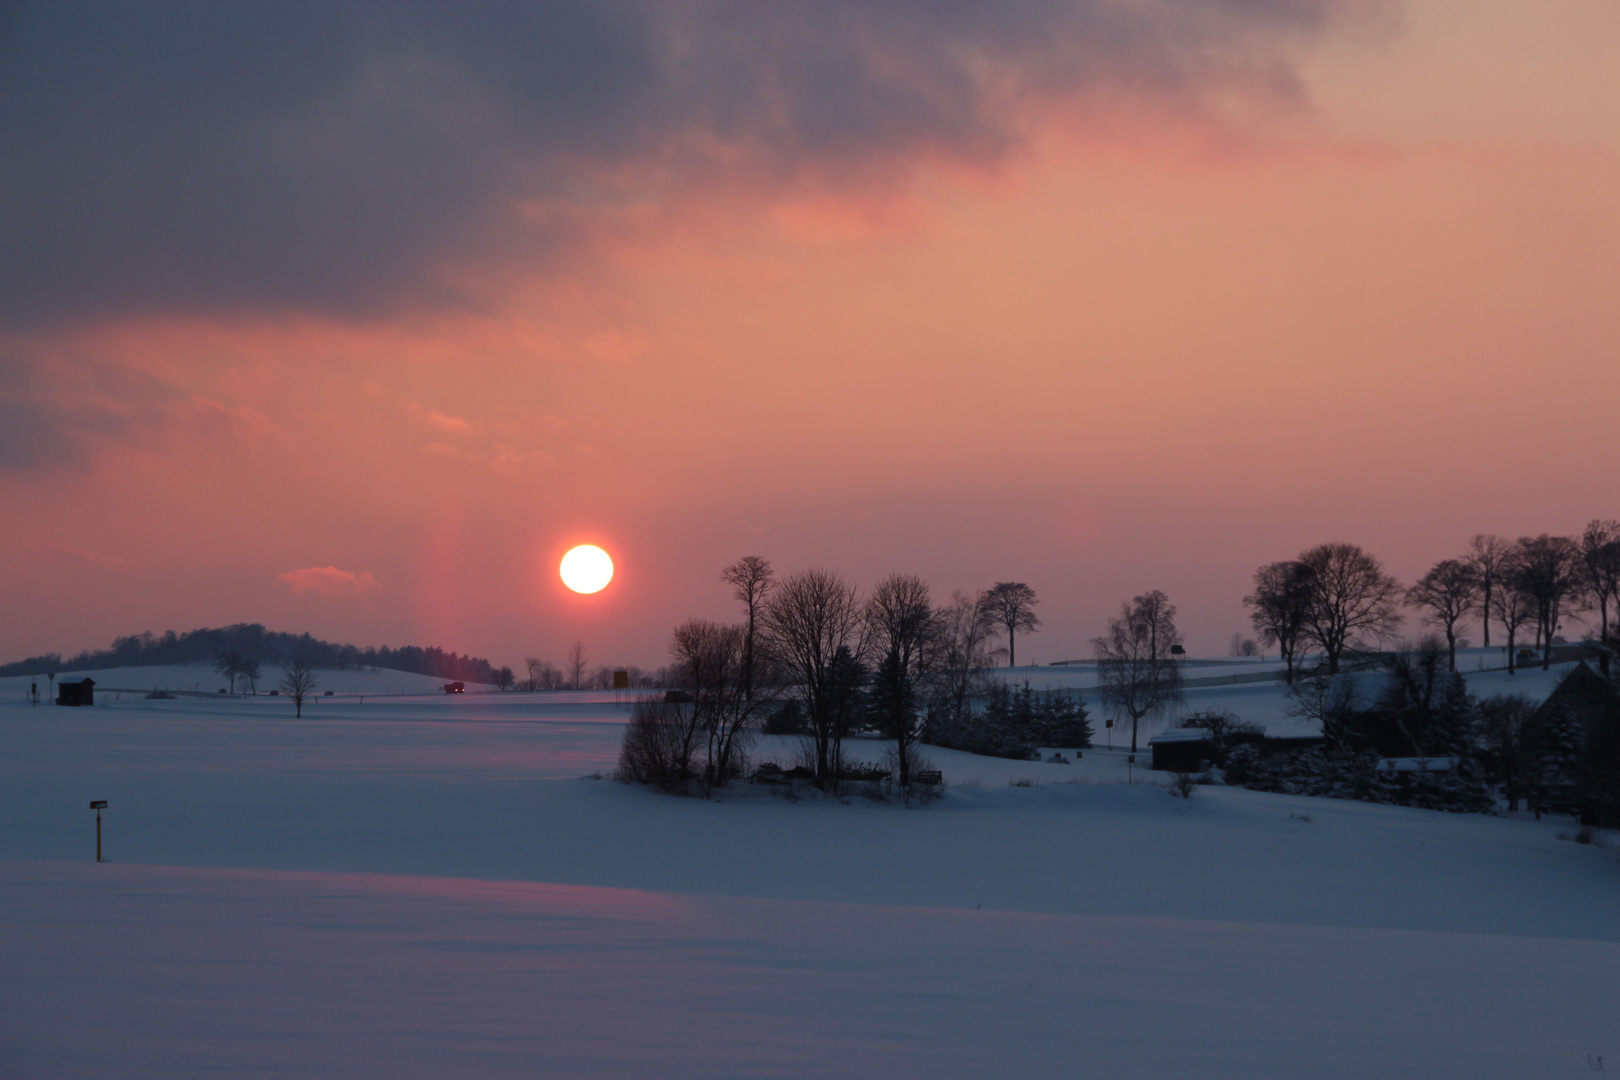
{"x": 427, "y": 886}
{"x": 158, "y": 971}
{"x": 202, "y": 678}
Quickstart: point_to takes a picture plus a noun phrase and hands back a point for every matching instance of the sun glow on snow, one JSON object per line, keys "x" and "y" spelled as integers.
{"x": 586, "y": 569}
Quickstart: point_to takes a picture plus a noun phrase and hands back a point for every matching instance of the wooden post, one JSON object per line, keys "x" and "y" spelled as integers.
{"x": 98, "y": 806}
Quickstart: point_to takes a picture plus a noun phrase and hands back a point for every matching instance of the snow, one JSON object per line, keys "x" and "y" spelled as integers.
{"x": 1175, "y": 735}
{"x": 1409, "y": 764}
{"x": 429, "y": 886}
{"x": 203, "y": 679}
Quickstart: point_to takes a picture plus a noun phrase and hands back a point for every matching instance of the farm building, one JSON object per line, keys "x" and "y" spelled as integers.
{"x": 1182, "y": 750}
{"x": 76, "y": 692}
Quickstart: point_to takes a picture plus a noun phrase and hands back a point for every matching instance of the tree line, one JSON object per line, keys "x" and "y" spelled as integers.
{"x": 252, "y": 642}
{"x": 1336, "y": 599}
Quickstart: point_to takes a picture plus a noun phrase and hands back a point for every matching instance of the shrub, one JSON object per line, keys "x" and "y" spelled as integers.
{"x": 659, "y": 744}
{"x": 1014, "y": 724}
{"x": 787, "y": 719}
{"x": 1350, "y": 775}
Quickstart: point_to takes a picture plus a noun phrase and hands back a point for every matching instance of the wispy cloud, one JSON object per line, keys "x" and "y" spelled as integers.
{"x": 327, "y": 581}
{"x": 458, "y": 425}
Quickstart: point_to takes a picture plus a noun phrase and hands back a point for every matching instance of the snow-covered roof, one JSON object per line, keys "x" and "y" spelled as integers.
{"x": 1180, "y": 735}
{"x": 1412, "y": 764}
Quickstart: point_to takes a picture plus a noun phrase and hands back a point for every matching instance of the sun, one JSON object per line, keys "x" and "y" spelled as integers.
{"x": 586, "y": 569}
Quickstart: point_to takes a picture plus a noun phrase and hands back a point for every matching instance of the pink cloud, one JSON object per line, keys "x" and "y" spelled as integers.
{"x": 442, "y": 421}
{"x": 328, "y": 581}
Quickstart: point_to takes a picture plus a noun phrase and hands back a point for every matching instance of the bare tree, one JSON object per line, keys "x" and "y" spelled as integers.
{"x": 962, "y": 637}
{"x": 1489, "y": 554}
{"x": 903, "y": 637}
{"x": 503, "y": 678}
{"x": 250, "y": 676}
{"x": 1352, "y": 600}
{"x": 229, "y": 664}
{"x": 1600, "y": 561}
{"x": 1136, "y": 669}
{"x": 1513, "y": 608}
{"x": 1331, "y": 702}
{"x": 708, "y": 663}
{"x": 1010, "y": 605}
{"x": 576, "y": 665}
{"x": 1548, "y": 570}
{"x": 808, "y": 620}
{"x": 536, "y": 668}
{"x": 298, "y": 682}
{"x": 1279, "y": 607}
{"x": 1450, "y": 590}
{"x": 752, "y": 580}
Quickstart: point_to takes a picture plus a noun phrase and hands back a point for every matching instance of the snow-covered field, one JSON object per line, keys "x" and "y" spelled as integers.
{"x": 203, "y": 679}
{"x": 429, "y": 886}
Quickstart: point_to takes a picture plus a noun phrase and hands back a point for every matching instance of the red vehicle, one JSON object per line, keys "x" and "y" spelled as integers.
{"x": 455, "y": 688}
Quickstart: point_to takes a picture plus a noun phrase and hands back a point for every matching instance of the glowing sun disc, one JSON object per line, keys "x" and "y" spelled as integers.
{"x": 586, "y": 569}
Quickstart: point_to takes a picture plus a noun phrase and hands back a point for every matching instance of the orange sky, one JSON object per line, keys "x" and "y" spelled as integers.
{"x": 1142, "y": 348}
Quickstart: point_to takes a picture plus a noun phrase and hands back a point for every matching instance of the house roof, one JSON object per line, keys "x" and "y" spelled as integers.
{"x": 1181, "y": 735}
{"x": 1584, "y": 692}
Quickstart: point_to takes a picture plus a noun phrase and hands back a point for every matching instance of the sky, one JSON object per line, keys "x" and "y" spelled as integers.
{"x": 352, "y": 318}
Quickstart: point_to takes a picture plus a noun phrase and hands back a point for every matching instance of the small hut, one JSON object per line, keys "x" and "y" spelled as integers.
{"x": 76, "y": 692}
{"x": 1182, "y": 750}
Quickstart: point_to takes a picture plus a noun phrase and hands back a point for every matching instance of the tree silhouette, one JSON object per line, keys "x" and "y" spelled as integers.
{"x": 1279, "y": 607}
{"x": 1352, "y": 600}
{"x": 901, "y": 632}
{"x": 576, "y": 665}
{"x": 1548, "y": 571}
{"x": 298, "y": 682}
{"x": 1489, "y": 555}
{"x": 1600, "y": 560}
{"x": 752, "y": 580}
{"x": 810, "y": 622}
{"x": 1449, "y": 590}
{"x": 1136, "y": 669}
{"x": 1010, "y": 606}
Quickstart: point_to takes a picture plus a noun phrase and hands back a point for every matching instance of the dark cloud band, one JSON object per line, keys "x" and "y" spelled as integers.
{"x": 334, "y": 157}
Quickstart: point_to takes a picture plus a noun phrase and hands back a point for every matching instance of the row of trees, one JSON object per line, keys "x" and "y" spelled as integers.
{"x": 887, "y": 661}
{"x": 297, "y": 681}
{"x": 577, "y": 674}
{"x": 253, "y": 642}
{"x": 1336, "y": 598}
{"x": 233, "y": 665}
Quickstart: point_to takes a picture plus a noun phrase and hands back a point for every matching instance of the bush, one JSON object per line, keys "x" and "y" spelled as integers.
{"x": 1349, "y": 775}
{"x": 1014, "y": 724}
{"x": 659, "y": 744}
{"x": 787, "y": 719}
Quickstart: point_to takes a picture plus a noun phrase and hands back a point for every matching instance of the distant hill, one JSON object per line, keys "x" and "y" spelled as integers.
{"x": 254, "y": 642}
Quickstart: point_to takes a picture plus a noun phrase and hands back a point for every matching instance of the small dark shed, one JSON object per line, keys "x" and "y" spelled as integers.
{"x": 1182, "y": 750}
{"x": 76, "y": 691}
